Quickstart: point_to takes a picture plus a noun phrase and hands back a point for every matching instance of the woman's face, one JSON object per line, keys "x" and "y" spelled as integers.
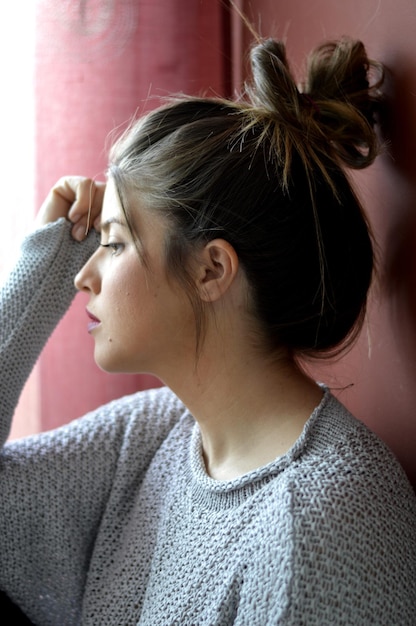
{"x": 140, "y": 321}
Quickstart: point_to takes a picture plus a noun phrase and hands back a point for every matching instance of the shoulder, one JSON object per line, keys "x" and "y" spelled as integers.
{"x": 350, "y": 516}
{"x": 153, "y": 412}
{"x": 124, "y": 426}
{"x": 341, "y": 458}
{"x": 147, "y": 415}
{"x": 344, "y": 495}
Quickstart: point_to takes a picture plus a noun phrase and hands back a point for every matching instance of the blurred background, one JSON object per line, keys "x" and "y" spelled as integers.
{"x": 75, "y": 70}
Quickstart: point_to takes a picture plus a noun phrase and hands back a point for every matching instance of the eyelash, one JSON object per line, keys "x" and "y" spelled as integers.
{"x": 115, "y": 247}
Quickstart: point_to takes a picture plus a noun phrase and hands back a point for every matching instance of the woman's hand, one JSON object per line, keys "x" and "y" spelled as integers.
{"x": 76, "y": 198}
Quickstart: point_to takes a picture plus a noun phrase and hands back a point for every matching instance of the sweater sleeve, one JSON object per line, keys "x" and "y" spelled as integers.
{"x": 33, "y": 299}
{"x": 63, "y": 491}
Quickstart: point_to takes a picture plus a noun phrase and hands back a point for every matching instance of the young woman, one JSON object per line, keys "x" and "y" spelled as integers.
{"x": 242, "y": 492}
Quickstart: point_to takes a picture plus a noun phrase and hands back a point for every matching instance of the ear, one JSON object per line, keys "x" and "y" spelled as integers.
{"x": 217, "y": 269}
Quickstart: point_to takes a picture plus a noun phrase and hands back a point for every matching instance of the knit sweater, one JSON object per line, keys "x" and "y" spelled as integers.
{"x": 113, "y": 520}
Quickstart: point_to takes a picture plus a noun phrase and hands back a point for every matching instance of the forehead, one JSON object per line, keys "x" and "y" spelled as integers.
{"x": 111, "y": 203}
{"x": 140, "y": 222}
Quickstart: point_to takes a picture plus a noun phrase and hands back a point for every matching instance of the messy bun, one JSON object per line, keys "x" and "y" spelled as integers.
{"x": 335, "y": 107}
{"x": 266, "y": 173}
{"x": 338, "y": 81}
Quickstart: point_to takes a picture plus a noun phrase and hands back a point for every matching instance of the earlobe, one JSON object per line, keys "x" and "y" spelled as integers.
{"x": 218, "y": 269}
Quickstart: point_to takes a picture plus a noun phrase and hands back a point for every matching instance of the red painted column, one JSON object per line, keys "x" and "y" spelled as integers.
{"x": 97, "y": 63}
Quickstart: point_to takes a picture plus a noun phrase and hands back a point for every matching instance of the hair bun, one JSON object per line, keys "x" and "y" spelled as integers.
{"x": 274, "y": 88}
{"x": 338, "y": 101}
{"x": 344, "y": 83}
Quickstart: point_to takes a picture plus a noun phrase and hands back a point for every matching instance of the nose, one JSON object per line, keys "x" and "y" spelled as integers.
{"x": 87, "y": 278}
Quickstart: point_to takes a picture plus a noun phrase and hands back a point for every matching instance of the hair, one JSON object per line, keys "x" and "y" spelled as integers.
{"x": 266, "y": 172}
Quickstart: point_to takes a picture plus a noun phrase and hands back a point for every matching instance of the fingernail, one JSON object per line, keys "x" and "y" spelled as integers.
{"x": 78, "y": 232}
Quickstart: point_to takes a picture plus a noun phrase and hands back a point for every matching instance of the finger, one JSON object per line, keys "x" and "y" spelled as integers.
{"x": 87, "y": 199}
{"x": 97, "y": 223}
{"x": 59, "y": 200}
{"x": 78, "y": 199}
{"x": 86, "y": 209}
{"x": 97, "y": 205}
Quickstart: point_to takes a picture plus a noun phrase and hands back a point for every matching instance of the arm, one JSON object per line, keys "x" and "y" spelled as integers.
{"x": 64, "y": 495}
{"x": 35, "y": 296}
{"x": 40, "y": 288}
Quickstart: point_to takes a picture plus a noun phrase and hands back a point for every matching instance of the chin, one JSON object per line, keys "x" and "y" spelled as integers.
{"x": 119, "y": 366}
{"x": 111, "y": 365}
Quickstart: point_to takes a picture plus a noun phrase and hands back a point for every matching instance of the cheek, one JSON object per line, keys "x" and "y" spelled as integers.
{"x": 145, "y": 301}
{"x": 121, "y": 292}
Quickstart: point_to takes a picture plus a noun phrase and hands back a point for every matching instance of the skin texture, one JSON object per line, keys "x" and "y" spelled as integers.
{"x": 144, "y": 320}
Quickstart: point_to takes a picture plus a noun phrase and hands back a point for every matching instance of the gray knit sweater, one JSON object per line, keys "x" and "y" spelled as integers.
{"x": 112, "y": 520}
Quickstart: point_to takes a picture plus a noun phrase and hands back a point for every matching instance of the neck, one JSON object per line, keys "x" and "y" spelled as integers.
{"x": 249, "y": 410}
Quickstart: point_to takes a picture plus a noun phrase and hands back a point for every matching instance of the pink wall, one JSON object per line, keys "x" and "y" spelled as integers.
{"x": 377, "y": 380}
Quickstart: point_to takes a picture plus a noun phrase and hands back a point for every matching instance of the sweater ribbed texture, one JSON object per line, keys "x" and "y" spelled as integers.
{"x": 112, "y": 519}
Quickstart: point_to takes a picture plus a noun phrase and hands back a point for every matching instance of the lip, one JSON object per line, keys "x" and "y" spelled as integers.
{"x": 94, "y": 321}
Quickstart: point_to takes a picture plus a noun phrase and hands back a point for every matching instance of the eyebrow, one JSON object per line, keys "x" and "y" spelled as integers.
{"x": 112, "y": 220}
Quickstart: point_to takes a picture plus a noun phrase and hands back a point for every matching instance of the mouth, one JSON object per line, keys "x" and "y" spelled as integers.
{"x": 94, "y": 321}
